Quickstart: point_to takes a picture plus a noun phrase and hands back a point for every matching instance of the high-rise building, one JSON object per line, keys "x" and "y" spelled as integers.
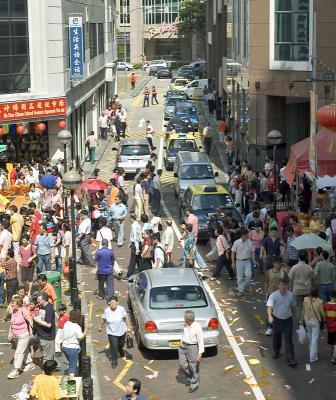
{"x": 50, "y": 72}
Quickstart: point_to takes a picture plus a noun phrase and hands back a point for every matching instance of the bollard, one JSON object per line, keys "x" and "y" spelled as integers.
{"x": 86, "y": 367}
{"x": 87, "y": 389}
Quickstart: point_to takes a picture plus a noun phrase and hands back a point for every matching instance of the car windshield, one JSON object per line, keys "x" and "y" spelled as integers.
{"x": 135, "y": 150}
{"x": 210, "y": 202}
{"x": 183, "y": 144}
{"x": 173, "y": 100}
{"x": 186, "y": 110}
{"x": 196, "y": 171}
{"x": 180, "y": 82}
{"x": 170, "y": 297}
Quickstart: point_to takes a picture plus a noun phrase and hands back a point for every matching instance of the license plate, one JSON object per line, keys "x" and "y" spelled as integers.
{"x": 135, "y": 161}
{"x": 174, "y": 343}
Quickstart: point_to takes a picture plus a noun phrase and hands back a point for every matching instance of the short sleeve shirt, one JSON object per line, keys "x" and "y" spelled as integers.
{"x": 116, "y": 324}
{"x": 281, "y": 304}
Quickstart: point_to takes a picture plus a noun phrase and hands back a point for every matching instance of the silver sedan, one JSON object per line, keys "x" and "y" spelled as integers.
{"x": 158, "y": 299}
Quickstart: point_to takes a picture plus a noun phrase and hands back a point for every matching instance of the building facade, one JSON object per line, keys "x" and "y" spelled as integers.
{"x": 38, "y": 87}
{"x": 149, "y": 29}
{"x": 273, "y": 44}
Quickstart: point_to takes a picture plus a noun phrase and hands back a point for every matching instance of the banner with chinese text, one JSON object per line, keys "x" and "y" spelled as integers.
{"x": 76, "y": 47}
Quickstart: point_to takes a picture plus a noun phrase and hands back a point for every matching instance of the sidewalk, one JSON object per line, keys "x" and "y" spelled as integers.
{"x": 124, "y": 86}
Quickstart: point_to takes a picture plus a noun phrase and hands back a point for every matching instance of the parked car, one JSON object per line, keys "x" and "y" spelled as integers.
{"x": 195, "y": 89}
{"x": 204, "y": 200}
{"x": 170, "y": 106}
{"x": 175, "y": 93}
{"x": 133, "y": 154}
{"x": 158, "y": 63}
{"x": 179, "y": 83}
{"x": 180, "y": 124}
{"x": 159, "y": 298}
{"x": 175, "y": 143}
{"x": 187, "y": 74}
{"x": 188, "y": 110}
{"x": 163, "y": 73}
{"x": 121, "y": 66}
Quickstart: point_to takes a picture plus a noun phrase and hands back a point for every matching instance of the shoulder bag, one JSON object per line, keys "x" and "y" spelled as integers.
{"x": 321, "y": 322}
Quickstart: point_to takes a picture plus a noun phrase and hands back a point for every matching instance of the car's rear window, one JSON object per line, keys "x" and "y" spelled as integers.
{"x": 183, "y": 144}
{"x": 135, "y": 150}
{"x": 169, "y": 297}
{"x": 180, "y": 82}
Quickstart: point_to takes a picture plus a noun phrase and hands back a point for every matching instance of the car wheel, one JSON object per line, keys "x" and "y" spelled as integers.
{"x": 139, "y": 341}
{"x": 211, "y": 351}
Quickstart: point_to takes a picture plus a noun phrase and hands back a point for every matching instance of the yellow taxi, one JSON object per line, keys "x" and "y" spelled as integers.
{"x": 176, "y": 142}
{"x": 204, "y": 201}
{"x": 179, "y": 83}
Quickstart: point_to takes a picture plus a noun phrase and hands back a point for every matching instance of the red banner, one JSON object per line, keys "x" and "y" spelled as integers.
{"x": 41, "y": 109}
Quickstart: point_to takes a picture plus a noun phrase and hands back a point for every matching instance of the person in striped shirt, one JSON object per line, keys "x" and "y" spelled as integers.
{"x": 292, "y": 253}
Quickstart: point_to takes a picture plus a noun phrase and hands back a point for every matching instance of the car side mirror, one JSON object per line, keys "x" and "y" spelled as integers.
{"x": 216, "y": 173}
{"x": 175, "y": 174}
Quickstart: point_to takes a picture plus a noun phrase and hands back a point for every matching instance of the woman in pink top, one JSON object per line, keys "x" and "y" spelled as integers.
{"x": 20, "y": 331}
{"x": 256, "y": 236}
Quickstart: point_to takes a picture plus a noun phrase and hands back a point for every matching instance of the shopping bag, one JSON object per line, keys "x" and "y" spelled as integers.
{"x": 302, "y": 334}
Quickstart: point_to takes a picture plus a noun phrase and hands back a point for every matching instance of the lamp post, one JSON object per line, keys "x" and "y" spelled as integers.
{"x": 71, "y": 181}
{"x": 274, "y": 138}
{"x": 65, "y": 138}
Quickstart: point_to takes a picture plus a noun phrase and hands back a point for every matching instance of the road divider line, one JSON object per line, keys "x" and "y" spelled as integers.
{"x": 225, "y": 326}
{"x": 160, "y": 156}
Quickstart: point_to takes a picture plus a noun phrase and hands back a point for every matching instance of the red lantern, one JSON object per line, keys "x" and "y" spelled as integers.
{"x": 40, "y": 127}
{"x": 326, "y": 116}
{"x": 2, "y": 132}
{"x": 20, "y": 129}
{"x": 61, "y": 124}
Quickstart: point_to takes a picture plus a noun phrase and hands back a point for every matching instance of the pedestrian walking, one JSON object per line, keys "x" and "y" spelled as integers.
{"x": 191, "y": 350}
{"x": 117, "y": 325}
{"x": 133, "y": 80}
{"x": 91, "y": 144}
{"x": 138, "y": 199}
{"x": 72, "y": 336}
{"x": 292, "y": 253}
{"x": 147, "y": 251}
{"x": 242, "y": 252}
{"x": 16, "y": 224}
{"x": 46, "y": 385}
{"x": 300, "y": 276}
{"x": 105, "y": 259}
{"x": 146, "y": 97}
{"x": 135, "y": 239}
{"x": 122, "y": 115}
{"x": 156, "y": 192}
{"x": 154, "y": 95}
{"x": 189, "y": 248}
{"x": 103, "y": 122}
{"x": 20, "y": 330}
{"x": 104, "y": 232}
{"x": 46, "y": 287}
{"x": 44, "y": 326}
{"x": 149, "y": 134}
{"x": 280, "y": 310}
{"x": 118, "y": 214}
{"x": 11, "y": 278}
{"x": 271, "y": 248}
{"x": 62, "y": 318}
{"x": 84, "y": 237}
{"x": 159, "y": 253}
{"x": 330, "y": 310}
{"x": 325, "y": 272}
{"x": 312, "y": 316}
{"x": 133, "y": 390}
{"x": 168, "y": 239}
{"x": 210, "y": 99}
{"x": 223, "y": 251}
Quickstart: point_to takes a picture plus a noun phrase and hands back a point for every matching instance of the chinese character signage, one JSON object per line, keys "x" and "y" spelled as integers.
{"x": 41, "y": 109}
{"x": 76, "y": 47}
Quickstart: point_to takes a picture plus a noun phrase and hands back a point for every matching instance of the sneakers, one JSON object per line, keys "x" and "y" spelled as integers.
{"x": 13, "y": 374}
{"x": 268, "y": 332}
{"x": 29, "y": 367}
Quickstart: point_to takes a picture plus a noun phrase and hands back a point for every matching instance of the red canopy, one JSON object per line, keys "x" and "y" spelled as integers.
{"x": 326, "y": 156}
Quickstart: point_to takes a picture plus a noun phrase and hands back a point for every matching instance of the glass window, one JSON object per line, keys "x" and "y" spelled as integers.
{"x": 5, "y": 65}
{"x": 291, "y": 30}
{"x": 4, "y": 47}
{"x": 100, "y": 38}
{"x": 93, "y": 40}
{"x": 20, "y": 65}
{"x": 135, "y": 150}
{"x": 4, "y": 9}
{"x": 170, "y": 297}
{"x": 19, "y": 28}
{"x": 183, "y": 144}
{"x": 210, "y": 202}
{"x": 20, "y": 46}
{"x": 197, "y": 171}
{"x": 4, "y": 28}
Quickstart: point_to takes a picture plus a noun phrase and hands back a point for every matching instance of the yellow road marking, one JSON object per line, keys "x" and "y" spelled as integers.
{"x": 123, "y": 372}
{"x": 137, "y": 101}
{"x": 90, "y": 311}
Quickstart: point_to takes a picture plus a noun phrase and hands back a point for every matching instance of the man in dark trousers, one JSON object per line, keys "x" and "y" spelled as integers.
{"x": 105, "y": 260}
{"x": 135, "y": 237}
{"x": 280, "y": 310}
{"x": 146, "y": 97}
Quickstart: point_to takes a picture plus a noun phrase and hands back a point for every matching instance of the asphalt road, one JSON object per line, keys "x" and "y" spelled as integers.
{"x": 243, "y": 367}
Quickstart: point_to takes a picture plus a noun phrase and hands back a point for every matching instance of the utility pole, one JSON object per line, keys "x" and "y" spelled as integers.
{"x": 313, "y": 110}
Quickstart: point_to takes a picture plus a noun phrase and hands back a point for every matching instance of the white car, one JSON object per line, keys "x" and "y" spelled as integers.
{"x": 158, "y": 63}
{"x": 121, "y": 66}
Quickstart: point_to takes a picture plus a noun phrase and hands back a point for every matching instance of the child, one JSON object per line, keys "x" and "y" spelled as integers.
{"x": 63, "y": 317}
{"x": 330, "y": 310}
{"x": 46, "y": 386}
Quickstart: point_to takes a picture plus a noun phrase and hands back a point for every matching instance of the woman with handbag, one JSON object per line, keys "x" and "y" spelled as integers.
{"x": 146, "y": 251}
{"x": 20, "y": 331}
{"x": 118, "y": 326}
{"x": 312, "y": 318}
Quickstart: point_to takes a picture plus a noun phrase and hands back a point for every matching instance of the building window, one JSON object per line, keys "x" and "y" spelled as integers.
{"x": 14, "y": 47}
{"x": 291, "y": 34}
{"x": 93, "y": 41}
{"x": 100, "y": 38}
{"x": 160, "y": 11}
{"x": 125, "y": 12}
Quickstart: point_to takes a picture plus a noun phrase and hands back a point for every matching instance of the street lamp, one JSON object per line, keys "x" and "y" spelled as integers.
{"x": 65, "y": 138}
{"x": 274, "y": 138}
{"x": 71, "y": 181}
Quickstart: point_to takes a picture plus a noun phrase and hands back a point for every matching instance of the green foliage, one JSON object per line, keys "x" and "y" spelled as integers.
{"x": 193, "y": 17}
{"x": 138, "y": 65}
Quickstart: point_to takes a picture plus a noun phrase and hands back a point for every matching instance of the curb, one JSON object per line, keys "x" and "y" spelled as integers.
{"x": 142, "y": 85}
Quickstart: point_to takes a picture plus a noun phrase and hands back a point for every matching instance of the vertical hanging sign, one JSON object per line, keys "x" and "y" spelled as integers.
{"x": 76, "y": 47}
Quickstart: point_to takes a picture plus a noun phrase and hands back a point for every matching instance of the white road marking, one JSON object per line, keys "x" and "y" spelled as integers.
{"x": 225, "y": 326}
{"x": 141, "y": 123}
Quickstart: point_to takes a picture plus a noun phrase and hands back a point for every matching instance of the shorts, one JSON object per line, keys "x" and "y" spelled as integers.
{"x": 332, "y": 338}
{"x": 27, "y": 274}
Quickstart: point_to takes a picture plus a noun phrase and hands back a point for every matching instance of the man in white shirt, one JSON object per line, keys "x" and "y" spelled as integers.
{"x": 30, "y": 178}
{"x": 5, "y": 242}
{"x": 103, "y": 121}
{"x": 84, "y": 230}
{"x": 138, "y": 199}
{"x": 191, "y": 350}
{"x": 104, "y": 233}
{"x": 135, "y": 237}
{"x": 168, "y": 239}
{"x": 149, "y": 134}
{"x": 118, "y": 213}
{"x": 158, "y": 251}
{"x": 122, "y": 114}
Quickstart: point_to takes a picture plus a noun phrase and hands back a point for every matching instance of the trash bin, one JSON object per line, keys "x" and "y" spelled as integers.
{"x": 54, "y": 278}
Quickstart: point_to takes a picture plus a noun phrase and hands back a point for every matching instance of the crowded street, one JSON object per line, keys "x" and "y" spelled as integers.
{"x": 242, "y": 366}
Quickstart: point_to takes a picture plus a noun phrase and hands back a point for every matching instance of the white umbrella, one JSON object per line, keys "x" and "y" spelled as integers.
{"x": 310, "y": 241}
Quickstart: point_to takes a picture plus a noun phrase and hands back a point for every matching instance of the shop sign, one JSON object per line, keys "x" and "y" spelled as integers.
{"x": 164, "y": 30}
{"x": 41, "y": 109}
{"x": 76, "y": 47}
